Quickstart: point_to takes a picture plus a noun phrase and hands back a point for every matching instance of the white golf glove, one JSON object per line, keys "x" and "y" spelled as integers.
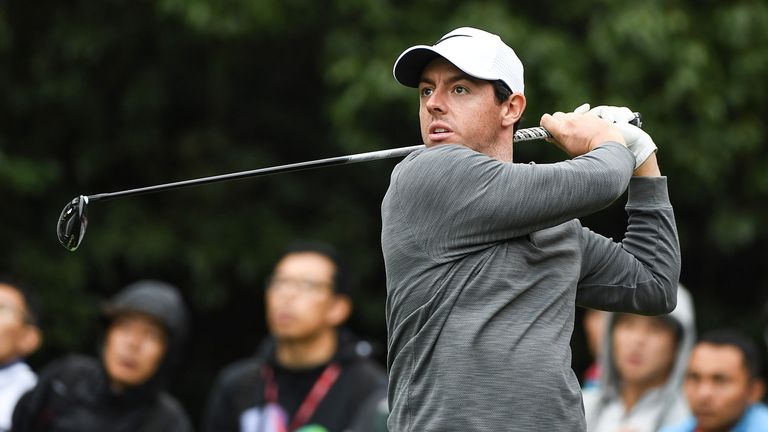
{"x": 638, "y": 142}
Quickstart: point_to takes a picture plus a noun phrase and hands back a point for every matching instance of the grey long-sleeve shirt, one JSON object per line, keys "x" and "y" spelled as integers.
{"x": 485, "y": 264}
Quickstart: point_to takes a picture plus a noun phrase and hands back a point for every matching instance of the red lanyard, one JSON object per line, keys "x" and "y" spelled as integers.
{"x": 314, "y": 397}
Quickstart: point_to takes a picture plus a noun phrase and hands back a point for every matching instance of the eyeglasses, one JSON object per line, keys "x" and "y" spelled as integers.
{"x": 280, "y": 283}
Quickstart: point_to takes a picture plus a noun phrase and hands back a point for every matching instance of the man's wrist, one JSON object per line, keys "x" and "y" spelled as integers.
{"x": 649, "y": 168}
{"x": 604, "y": 138}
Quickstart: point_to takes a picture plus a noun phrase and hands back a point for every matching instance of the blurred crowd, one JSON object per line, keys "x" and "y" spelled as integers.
{"x": 312, "y": 374}
{"x": 655, "y": 373}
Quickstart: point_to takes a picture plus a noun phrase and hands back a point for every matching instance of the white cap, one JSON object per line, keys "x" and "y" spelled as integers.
{"x": 476, "y": 52}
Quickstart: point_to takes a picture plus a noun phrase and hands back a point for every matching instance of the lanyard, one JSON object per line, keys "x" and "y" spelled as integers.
{"x": 314, "y": 397}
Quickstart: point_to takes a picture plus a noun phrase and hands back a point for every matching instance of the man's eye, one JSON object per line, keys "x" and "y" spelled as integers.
{"x": 426, "y": 91}
{"x": 461, "y": 90}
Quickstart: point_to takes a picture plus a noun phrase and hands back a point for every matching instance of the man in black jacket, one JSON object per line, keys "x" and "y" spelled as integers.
{"x": 124, "y": 391}
{"x": 308, "y": 375}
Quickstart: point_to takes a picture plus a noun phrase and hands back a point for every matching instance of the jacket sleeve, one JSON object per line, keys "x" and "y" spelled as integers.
{"x": 23, "y": 413}
{"x": 458, "y": 201}
{"x": 640, "y": 274}
{"x": 27, "y": 415}
{"x": 35, "y": 410}
{"x": 169, "y": 416}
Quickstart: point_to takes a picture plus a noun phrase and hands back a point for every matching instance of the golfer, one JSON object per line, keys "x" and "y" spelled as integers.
{"x": 485, "y": 260}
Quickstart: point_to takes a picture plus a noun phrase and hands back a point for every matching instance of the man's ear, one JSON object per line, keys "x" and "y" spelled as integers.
{"x": 512, "y": 109}
{"x": 340, "y": 310}
{"x": 757, "y": 390}
{"x": 30, "y": 340}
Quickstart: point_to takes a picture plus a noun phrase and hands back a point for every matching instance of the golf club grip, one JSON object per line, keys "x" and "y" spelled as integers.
{"x": 539, "y": 132}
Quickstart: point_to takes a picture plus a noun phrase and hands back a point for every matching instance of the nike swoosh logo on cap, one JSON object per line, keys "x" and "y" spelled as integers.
{"x": 451, "y": 36}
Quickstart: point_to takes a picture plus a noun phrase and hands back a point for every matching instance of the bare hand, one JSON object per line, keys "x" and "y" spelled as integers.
{"x": 579, "y": 133}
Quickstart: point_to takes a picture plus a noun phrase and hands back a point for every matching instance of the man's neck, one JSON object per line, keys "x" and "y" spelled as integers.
{"x": 631, "y": 393}
{"x": 727, "y": 427}
{"x": 307, "y": 353}
{"x": 500, "y": 152}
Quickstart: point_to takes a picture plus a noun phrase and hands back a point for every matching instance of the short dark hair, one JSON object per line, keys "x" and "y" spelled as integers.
{"x": 502, "y": 92}
{"x": 747, "y": 347}
{"x": 669, "y": 322}
{"x": 33, "y": 312}
{"x": 341, "y": 283}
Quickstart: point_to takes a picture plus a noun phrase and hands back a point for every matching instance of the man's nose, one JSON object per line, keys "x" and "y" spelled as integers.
{"x": 436, "y": 102}
{"x": 133, "y": 338}
{"x": 703, "y": 392}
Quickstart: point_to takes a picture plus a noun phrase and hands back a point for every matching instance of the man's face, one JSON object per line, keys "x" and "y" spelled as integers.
{"x": 644, "y": 349}
{"x": 134, "y": 349}
{"x": 718, "y": 386}
{"x": 15, "y": 331}
{"x": 300, "y": 296}
{"x": 455, "y": 108}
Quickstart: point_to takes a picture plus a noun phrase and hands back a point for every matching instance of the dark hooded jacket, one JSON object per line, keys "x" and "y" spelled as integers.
{"x": 74, "y": 394}
{"x": 240, "y": 388}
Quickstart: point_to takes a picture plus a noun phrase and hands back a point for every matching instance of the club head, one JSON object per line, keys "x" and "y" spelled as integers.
{"x": 72, "y": 223}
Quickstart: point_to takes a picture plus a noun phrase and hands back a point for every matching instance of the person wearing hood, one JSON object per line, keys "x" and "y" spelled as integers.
{"x": 308, "y": 375}
{"x": 644, "y": 360}
{"x": 123, "y": 391}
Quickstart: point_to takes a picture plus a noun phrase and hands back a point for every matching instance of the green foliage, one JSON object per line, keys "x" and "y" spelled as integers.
{"x": 114, "y": 94}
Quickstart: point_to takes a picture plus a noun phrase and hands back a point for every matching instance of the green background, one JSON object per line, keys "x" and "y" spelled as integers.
{"x": 97, "y": 96}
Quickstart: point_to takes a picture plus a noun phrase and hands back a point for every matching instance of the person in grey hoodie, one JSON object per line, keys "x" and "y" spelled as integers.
{"x": 643, "y": 360}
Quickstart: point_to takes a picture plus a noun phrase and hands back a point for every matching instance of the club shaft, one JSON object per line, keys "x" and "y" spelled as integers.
{"x": 339, "y": 160}
{"x": 527, "y": 134}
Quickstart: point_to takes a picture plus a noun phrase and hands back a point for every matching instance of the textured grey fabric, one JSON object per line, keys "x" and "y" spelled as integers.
{"x": 483, "y": 260}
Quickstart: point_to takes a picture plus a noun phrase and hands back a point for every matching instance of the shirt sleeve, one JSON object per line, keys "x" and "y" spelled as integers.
{"x": 639, "y": 274}
{"x": 458, "y": 201}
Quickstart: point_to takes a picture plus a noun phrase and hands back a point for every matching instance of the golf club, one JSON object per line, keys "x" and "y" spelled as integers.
{"x": 73, "y": 220}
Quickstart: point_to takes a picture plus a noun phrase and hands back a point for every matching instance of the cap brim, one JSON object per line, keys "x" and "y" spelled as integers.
{"x": 411, "y": 63}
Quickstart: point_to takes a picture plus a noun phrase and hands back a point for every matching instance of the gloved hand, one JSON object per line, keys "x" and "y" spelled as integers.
{"x": 638, "y": 141}
{"x": 581, "y": 109}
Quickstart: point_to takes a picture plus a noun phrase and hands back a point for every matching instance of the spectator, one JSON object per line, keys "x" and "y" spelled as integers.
{"x": 643, "y": 362}
{"x": 20, "y": 336}
{"x": 723, "y": 386}
{"x": 146, "y": 325}
{"x": 594, "y": 330}
{"x": 308, "y": 373}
